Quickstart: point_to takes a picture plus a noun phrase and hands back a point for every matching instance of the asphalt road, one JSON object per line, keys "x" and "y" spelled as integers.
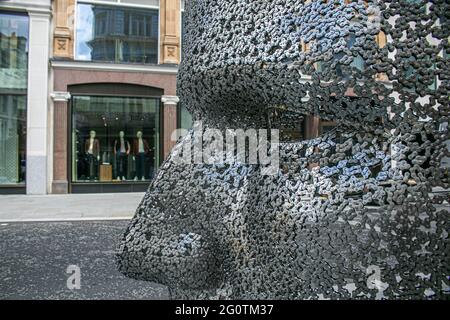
{"x": 34, "y": 258}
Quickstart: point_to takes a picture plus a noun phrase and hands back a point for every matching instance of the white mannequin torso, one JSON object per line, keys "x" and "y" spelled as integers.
{"x": 91, "y": 146}
{"x": 122, "y": 145}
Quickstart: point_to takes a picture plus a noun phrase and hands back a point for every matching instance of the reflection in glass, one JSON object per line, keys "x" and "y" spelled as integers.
{"x": 13, "y": 89}
{"x": 114, "y": 138}
{"x": 12, "y": 138}
{"x": 117, "y": 34}
{"x": 186, "y": 121}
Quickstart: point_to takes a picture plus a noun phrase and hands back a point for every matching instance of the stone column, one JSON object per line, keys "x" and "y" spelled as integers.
{"x": 37, "y": 102}
{"x": 60, "y": 184}
{"x": 170, "y": 31}
{"x": 63, "y": 33}
{"x": 170, "y": 122}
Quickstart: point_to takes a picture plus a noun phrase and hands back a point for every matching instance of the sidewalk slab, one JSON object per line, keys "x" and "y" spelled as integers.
{"x": 70, "y": 207}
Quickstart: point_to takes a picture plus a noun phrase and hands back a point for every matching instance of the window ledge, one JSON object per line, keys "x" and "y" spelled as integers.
{"x": 87, "y": 65}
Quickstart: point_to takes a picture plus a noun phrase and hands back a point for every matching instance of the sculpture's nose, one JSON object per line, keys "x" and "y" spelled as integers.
{"x": 168, "y": 249}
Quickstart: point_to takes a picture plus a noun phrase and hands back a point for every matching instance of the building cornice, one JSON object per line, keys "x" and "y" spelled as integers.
{"x": 170, "y": 100}
{"x": 28, "y": 6}
{"x": 60, "y": 96}
{"x": 96, "y": 66}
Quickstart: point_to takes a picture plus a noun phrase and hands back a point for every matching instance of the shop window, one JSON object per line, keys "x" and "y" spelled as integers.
{"x": 12, "y": 139}
{"x": 184, "y": 117}
{"x": 114, "y": 139}
{"x": 117, "y": 34}
{"x": 13, "y": 90}
{"x": 411, "y": 77}
{"x": 306, "y": 48}
{"x": 327, "y": 126}
{"x": 358, "y": 61}
{"x": 289, "y": 123}
{"x": 381, "y": 41}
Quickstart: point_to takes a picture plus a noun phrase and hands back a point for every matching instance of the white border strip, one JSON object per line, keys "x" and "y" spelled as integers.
{"x": 119, "y": 3}
{"x": 86, "y": 65}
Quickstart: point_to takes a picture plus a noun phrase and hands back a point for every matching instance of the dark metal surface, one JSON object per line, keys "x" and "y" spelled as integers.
{"x": 348, "y": 214}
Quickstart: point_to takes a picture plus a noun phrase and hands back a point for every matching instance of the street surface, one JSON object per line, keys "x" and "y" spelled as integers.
{"x": 35, "y": 256}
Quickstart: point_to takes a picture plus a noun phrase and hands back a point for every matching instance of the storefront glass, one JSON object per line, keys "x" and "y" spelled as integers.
{"x": 186, "y": 121}
{"x": 13, "y": 90}
{"x": 114, "y": 139}
{"x": 117, "y": 34}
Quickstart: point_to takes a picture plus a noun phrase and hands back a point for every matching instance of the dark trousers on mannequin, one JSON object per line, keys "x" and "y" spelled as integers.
{"x": 122, "y": 164}
{"x": 140, "y": 165}
{"x": 92, "y": 166}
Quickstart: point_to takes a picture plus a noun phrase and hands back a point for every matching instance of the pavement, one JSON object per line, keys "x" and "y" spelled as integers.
{"x": 69, "y": 207}
{"x": 39, "y": 259}
{"x": 45, "y": 240}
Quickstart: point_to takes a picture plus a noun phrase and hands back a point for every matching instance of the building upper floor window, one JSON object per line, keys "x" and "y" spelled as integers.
{"x": 13, "y": 101}
{"x": 120, "y": 34}
{"x": 13, "y": 52}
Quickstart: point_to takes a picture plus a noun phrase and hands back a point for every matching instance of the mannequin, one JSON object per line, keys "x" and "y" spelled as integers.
{"x": 121, "y": 152}
{"x": 140, "y": 151}
{"x": 92, "y": 149}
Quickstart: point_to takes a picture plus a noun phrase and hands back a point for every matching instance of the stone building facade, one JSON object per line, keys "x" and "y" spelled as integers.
{"x": 24, "y": 140}
{"x": 93, "y": 72}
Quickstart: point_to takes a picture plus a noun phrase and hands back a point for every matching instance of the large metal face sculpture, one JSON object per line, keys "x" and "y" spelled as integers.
{"x": 350, "y": 213}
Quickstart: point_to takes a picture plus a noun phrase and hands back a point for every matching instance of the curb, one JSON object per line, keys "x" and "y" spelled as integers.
{"x": 66, "y": 219}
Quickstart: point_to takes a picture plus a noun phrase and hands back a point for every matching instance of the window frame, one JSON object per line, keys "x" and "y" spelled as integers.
{"x": 123, "y": 5}
{"x": 119, "y": 3}
{"x": 70, "y": 110}
{"x": 19, "y": 187}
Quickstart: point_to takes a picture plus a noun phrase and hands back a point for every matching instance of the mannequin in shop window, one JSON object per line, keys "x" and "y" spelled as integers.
{"x": 140, "y": 152}
{"x": 121, "y": 152}
{"x": 92, "y": 149}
